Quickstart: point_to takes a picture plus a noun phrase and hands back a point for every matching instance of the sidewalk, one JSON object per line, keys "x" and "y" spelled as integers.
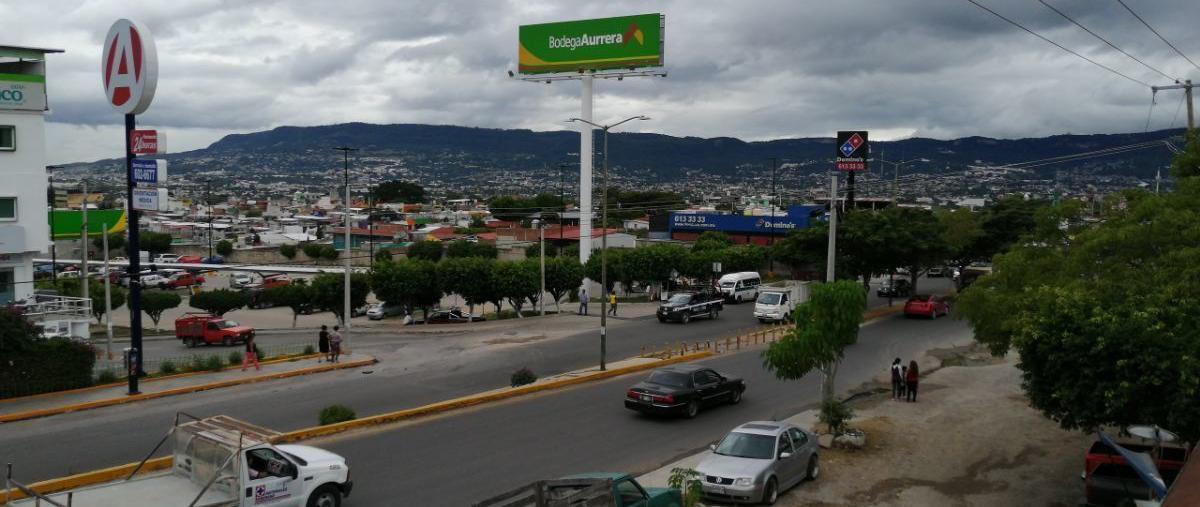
{"x": 48, "y": 404}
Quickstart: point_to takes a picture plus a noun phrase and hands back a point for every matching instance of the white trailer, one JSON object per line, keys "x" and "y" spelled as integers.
{"x": 777, "y": 301}
{"x": 219, "y": 462}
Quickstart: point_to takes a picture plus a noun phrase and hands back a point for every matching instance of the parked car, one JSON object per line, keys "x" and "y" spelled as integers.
{"x": 924, "y": 305}
{"x": 190, "y": 259}
{"x": 776, "y": 302}
{"x": 898, "y": 287}
{"x": 182, "y": 280}
{"x": 166, "y": 258}
{"x": 757, "y": 461}
{"x": 216, "y": 259}
{"x": 360, "y": 311}
{"x": 603, "y": 488}
{"x": 382, "y": 310}
{"x": 684, "y": 306}
{"x": 206, "y": 329}
{"x": 148, "y": 279}
{"x": 1109, "y": 480}
{"x": 936, "y": 272}
{"x": 451, "y": 316}
{"x": 683, "y": 390}
{"x": 240, "y": 280}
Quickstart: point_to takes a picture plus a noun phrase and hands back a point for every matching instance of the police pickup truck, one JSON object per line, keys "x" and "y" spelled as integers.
{"x": 685, "y": 306}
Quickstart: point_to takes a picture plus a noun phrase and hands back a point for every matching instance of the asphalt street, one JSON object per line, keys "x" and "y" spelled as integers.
{"x": 467, "y": 456}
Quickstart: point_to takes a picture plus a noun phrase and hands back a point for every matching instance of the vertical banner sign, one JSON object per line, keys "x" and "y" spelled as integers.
{"x": 852, "y": 150}
{"x": 129, "y": 73}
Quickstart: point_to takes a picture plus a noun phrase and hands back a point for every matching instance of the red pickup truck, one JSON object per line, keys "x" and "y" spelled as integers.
{"x": 196, "y": 329}
{"x": 181, "y": 280}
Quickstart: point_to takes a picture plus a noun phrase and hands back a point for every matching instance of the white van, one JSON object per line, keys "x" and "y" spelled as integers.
{"x": 738, "y": 287}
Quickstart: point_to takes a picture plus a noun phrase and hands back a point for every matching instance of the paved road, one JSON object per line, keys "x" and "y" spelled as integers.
{"x": 465, "y": 457}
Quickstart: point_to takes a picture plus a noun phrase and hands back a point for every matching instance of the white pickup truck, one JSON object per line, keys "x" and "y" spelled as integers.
{"x": 223, "y": 462}
{"x": 777, "y": 301}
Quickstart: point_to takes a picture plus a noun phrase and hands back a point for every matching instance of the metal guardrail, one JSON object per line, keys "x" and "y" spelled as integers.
{"x": 43, "y": 307}
{"x": 11, "y": 484}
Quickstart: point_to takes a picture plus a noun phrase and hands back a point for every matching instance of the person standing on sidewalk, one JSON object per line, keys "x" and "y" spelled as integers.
{"x": 251, "y": 355}
{"x": 323, "y": 343}
{"x": 911, "y": 378}
{"x": 583, "y": 300}
{"x": 612, "y": 303}
{"x": 335, "y": 345}
{"x": 897, "y": 379}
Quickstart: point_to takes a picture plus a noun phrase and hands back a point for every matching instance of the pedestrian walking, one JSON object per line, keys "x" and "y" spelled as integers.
{"x": 323, "y": 343}
{"x": 335, "y": 345}
{"x": 897, "y": 379}
{"x": 612, "y": 303}
{"x": 903, "y": 383}
{"x": 251, "y": 355}
{"x": 911, "y": 379}
{"x": 583, "y": 300}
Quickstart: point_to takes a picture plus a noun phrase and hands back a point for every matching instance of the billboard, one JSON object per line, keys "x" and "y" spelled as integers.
{"x": 852, "y": 150}
{"x": 797, "y": 217}
{"x": 23, "y": 92}
{"x": 625, "y": 42}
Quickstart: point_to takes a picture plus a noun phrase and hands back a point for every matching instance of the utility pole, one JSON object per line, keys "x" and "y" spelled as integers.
{"x": 53, "y": 247}
{"x": 774, "y": 197}
{"x": 1186, "y": 86}
{"x": 133, "y": 247}
{"x": 830, "y": 254}
{"x": 541, "y": 227}
{"x": 208, "y": 202}
{"x": 1157, "y": 179}
{"x": 562, "y": 205}
{"x": 84, "y": 280}
{"x": 347, "y": 309}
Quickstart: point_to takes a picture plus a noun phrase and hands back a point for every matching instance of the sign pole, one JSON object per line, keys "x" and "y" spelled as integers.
{"x": 850, "y": 190}
{"x": 831, "y": 254}
{"x": 107, "y": 295}
{"x": 133, "y": 250}
{"x": 585, "y": 171}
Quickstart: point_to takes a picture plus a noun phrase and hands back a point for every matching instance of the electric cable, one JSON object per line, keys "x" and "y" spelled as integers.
{"x": 1164, "y": 39}
{"x": 1114, "y": 46}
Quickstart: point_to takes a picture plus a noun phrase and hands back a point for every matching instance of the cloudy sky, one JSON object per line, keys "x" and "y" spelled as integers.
{"x": 749, "y": 69}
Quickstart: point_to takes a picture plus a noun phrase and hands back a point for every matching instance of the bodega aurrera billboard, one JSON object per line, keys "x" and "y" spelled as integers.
{"x": 626, "y": 42}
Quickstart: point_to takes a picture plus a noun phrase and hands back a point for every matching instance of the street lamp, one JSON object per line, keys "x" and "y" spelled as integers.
{"x": 346, "y": 309}
{"x": 604, "y": 234}
{"x": 896, "y": 182}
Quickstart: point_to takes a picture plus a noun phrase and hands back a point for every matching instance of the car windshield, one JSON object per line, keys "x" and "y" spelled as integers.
{"x": 668, "y": 378}
{"x": 769, "y": 298}
{"x": 680, "y": 298}
{"x": 747, "y": 445}
{"x": 226, "y": 324}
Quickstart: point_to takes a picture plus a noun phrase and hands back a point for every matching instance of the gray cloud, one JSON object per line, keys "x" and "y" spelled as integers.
{"x": 754, "y": 69}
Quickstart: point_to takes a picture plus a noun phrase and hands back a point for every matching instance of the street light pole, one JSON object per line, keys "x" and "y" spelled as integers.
{"x": 208, "y": 202}
{"x": 53, "y": 247}
{"x": 541, "y": 227}
{"x": 346, "y": 309}
{"x": 604, "y": 236}
{"x": 84, "y": 280}
{"x": 771, "y": 249}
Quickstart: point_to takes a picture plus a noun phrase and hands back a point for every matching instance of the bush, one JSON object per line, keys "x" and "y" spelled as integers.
{"x": 41, "y": 366}
{"x": 224, "y": 248}
{"x": 288, "y": 251}
{"x": 309, "y": 350}
{"x": 235, "y": 358}
{"x": 194, "y": 363}
{"x": 213, "y": 363}
{"x": 336, "y": 414}
{"x": 329, "y": 253}
{"x": 835, "y": 414}
{"x": 687, "y": 482}
{"x": 312, "y": 250}
{"x": 106, "y": 377}
{"x": 523, "y": 376}
{"x": 167, "y": 367}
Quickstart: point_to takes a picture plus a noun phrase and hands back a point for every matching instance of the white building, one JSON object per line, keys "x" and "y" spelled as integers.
{"x": 24, "y": 229}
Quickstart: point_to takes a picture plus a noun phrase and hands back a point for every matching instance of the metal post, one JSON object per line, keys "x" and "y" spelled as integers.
{"x": 850, "y": 190}
{"x": 108, "y": 330}
{"x": 208, "y": 202}
{"x": 562, "y": 205}
{"x": 604, "y": 257}
{"x": 829, "y": 277}
{"x": 585, "y": 171}
{"x": 347, "y": 310}
{"x": 771, "y": 251}
{"x": 1187, "y": 91}
{"x": 896, "y": 185}
{"x": 133, "y": 247}
{"x": 542, "y": 243}
{"x": 53, "y": 246}
{"x": 85, "y": 281}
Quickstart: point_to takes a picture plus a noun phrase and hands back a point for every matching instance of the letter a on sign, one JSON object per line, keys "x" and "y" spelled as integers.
{"x": 129, "y": 67}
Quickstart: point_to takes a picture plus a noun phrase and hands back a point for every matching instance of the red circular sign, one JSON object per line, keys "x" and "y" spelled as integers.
{"x": 129, "y": 67}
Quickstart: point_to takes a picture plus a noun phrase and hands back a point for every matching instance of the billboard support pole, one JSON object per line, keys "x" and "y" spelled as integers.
{"x": 832, "y": 228}
{"x": 585, "y": 170}
{"x": 133, "y": 249}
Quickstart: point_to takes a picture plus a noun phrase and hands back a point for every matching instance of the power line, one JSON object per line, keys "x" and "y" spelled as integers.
{"x": 1164, "y": 39}
{"x": 1114, "y": 46}
{"x": 1059, "y": 46}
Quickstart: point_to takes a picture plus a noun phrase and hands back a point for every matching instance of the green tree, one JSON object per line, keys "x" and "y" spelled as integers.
{"x": 313, "y": 250}
{"x": 154, "y": 242}
{"x": 154, "y": 303}
{"x": 383, "y": 255}
{"x": 803, "y": 250}
{"x": 328, "y": 291}
{"x": 516, "y": 281}
{"x": 712, "y": 240}
{"x": 1103, "y": 317}
{"x": 288, "y": 251}
{"x": 825, "y": 325}
{"x": 914, "y": 239}
{"x": 399, "y": 191}
{"x": 563, "y": 276}
{"x": 425, "y": 250}
{"x": 297, "y": 296}
{"x": 224, "y": 248}
{"x": 743, "y": 258}
{"x": 115, "y": 242}
{"x": 1186, "y": 164}
{"x": 70, "y": 287}
{"x": 218, "y": 302}
{"x": 961, "y": 231}
{"x": 460, "y": 248}
{"x": 470, "y": 278}
{"x": 411, "y": 282}
{"x": 329, "y": 253}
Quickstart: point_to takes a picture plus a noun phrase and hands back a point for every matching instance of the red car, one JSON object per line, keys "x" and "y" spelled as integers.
{"x": 926, "y": 306}
{"x": 180, "y": 280}
{"x": 190, "y": 259}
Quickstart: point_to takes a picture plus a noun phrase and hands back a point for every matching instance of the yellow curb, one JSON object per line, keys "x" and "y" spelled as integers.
{"x": 88, "y": 478}
{"x": 281, "y": 359}
{"x": 33, "y": 414}
{"x": 477, "y": 399}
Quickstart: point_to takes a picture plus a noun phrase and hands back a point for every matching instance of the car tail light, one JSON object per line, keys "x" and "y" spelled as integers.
{"x": 668, "y": 398}
{"x": 631, "y": 394}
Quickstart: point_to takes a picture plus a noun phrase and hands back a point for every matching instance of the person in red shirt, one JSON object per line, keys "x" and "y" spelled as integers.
{"x": 251, "y": 356}
{"x": 910, "y": 379}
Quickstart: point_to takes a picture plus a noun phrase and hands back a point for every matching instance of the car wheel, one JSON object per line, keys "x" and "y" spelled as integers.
{"x": 762, "y": 321}
{"x": 770, "y": 492}
{"x": 325, "y": 496}
{"x": 814, "y": 468}
{"x": 736, "y": 397}
{"x": 738, "y": 300}
{"x": 687, "y": 317}
{"x": 933, "y": 314}
{"x": 693, "y": 408}
{"x": 662, "y": 319}
{"x": 191, "y": 343}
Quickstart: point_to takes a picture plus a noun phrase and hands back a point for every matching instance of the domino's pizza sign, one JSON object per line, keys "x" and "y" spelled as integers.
{"x": 852, "y": 150}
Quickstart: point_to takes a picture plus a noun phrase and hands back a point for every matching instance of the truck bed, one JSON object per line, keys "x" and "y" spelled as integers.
{"x": 160, "y": 489}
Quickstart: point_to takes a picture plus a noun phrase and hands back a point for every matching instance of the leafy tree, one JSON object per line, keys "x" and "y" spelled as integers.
{"x": 1004, "y": 224}
{"x": 517, "y": 209}
{"x": 712, "y": 240}
{"x": 288, "y": 251}
{"x": 312, "y": 250}
{"x": 70, "y": 287}
{"x": 115, "y": 242}
{"x": 328, "y": 291}
{"x": 743, "y": 258}
{"x": 1187, "y": 163}
{"x": 563, "y": 276}
{"x": 16, "y": 332}
{"x": 329, "y": 253}
{"x": 459, "y": 249}
{"x": 425, "y": 250}
{"x": 224, "y": 248}
{"x": 296, "y": 296}
{"x": 961, "y": 231}
{"x": 618, "y": 265}
{"x": 399, "y": 191}
{"x": 383, "y": 255}
{"x": 914, "y": 238}
{"x": 825, "y": 325}
{"x": 1103, "y": 316}
{"x": 470, "y": 278}
{"x": 517, "y": 281}
{"x": 411, "y": 282}
{"x": 154, "y": 303}
{"x": 154, "y": 242}
{"x": 218, "y": 302}
{"x": 803, "y": 249}
{"x": 254, "y": 213}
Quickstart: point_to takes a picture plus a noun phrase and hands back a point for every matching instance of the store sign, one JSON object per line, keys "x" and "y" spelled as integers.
{"x": 149, "y": 172}
{"x": 626, "y": 42}
{"x": 145, "y": 199}
{"x": 797, "y": 217}
{"x": 129, "y": 67}
{"x": 852, "y": 150}
{"x": 22, "y": 92}
{"x": 145, "y": 142}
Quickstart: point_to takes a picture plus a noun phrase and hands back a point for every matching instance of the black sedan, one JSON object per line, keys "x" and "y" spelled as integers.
{"x": 683, "y": 389}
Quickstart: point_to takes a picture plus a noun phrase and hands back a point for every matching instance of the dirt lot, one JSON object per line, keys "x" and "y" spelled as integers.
{"x": 970, "y": 440}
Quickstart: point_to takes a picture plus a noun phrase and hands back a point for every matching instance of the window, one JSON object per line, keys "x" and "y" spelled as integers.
{"x": 8, "y": 138}
{"x": 704, "y": 377}
{"x": 6, "y": 285}
{"x": 264, "y": 462}
{"x": 785, "y": 444}
{"x": 8, "y": 208}
{"x": 798, "y": 436}
{"x": 630, "y": 493}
